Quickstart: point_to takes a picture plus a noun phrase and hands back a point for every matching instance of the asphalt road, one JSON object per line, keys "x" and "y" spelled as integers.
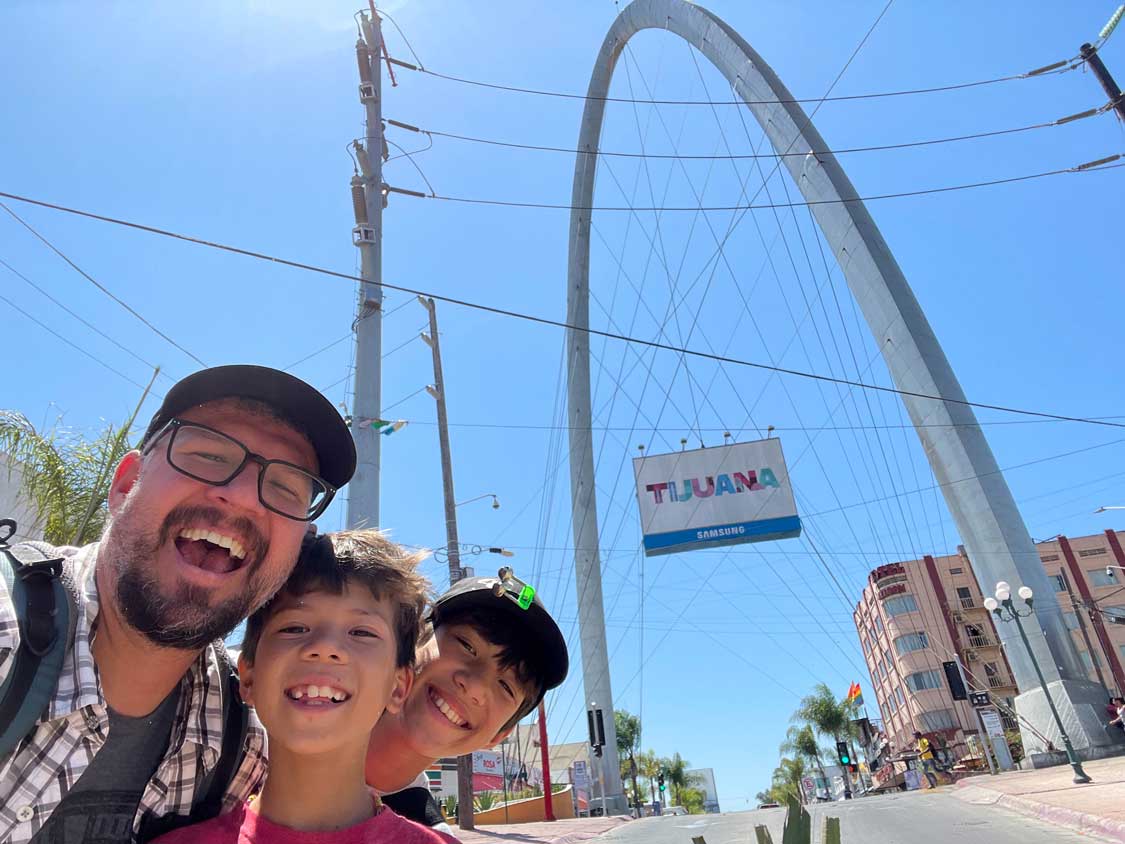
{"x": 901, "y": 818}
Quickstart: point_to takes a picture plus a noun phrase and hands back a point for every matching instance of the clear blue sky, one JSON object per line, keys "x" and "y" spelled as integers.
{"x": 229, "y": 121}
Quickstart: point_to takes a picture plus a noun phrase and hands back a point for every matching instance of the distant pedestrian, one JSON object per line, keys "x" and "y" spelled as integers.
{"x": 1116, "y": 709}
{"x": 926, "y": 756}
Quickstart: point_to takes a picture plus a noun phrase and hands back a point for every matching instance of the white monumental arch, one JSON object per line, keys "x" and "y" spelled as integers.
{"x": 975, "y": 491}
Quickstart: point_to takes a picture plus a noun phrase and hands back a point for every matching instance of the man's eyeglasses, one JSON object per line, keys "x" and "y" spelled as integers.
{"x": 214, "y": 458}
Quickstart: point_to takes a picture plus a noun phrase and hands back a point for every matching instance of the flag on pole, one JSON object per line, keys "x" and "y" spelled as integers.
{"x": 855, "y": 696}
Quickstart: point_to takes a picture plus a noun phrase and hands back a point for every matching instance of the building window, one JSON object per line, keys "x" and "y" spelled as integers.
{"x": 1071, "y": 620}
{"x": 919, "y": 681}
{"x": 957, "y": 571}
{"x": 939, "y": 719}
{"x": 965, "y": 594}
{"x": 1060, "y": 581}
{"x": 1121, "y": 650}
{"x": 879, "y": 624}
{"x": 1050, "y": 558}
{"x": 892, "y": 704}
{"x": 1098, "y": 577}
{"x": 899, "y": 696}
{"x": 911, "y": 642}
{"x": 901, "y": 604}
{"x": 1092, "y": 552}
{"x": 1087, "y": 663}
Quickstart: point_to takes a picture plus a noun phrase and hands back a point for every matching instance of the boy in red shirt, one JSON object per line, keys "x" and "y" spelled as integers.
{"x": 320, "y": 664}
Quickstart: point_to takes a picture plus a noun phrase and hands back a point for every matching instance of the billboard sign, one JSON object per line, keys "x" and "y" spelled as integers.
{"x": 710, "y": 497}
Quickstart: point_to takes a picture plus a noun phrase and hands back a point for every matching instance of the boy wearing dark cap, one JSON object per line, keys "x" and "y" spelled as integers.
{"x": 205, "y": 522}
{"x": 493, "y": 654}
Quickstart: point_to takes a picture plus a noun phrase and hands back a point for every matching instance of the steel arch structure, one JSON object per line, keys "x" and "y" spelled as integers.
{"x": 975, "y": 491}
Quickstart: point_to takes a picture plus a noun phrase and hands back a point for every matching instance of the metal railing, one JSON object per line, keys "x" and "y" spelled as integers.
{"x": 995, "y": 681}
{"x": 980, "y": 642}
{"x": 968, "y": 603}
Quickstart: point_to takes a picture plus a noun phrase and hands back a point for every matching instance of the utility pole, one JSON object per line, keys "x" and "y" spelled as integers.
{"x": 1090, "y": 55}
{"x": 367, "y": 203}
{"x": 452, "y": 547}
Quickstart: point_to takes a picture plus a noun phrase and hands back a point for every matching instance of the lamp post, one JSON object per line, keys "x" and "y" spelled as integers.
{"x": 1003, "y": 603}
{"x": 492, "y": 495}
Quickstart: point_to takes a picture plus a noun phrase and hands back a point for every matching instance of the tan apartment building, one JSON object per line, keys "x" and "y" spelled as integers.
{"x": 918, "y": 614}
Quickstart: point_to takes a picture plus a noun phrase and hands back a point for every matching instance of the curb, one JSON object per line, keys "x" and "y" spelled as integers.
{"x": 1081, "y": 822}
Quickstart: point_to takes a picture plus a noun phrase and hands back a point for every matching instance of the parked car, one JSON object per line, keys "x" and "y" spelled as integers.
{"x": 769, "y": 805}
{"x": 675, "y": 810}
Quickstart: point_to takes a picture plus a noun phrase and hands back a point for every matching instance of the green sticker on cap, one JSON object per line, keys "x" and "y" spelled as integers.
{"x": 527, "y": 595}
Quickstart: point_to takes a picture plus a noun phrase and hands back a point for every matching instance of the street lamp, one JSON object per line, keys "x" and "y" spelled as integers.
{"x": 998, "y": 605}
{"x": 495, "y": 500}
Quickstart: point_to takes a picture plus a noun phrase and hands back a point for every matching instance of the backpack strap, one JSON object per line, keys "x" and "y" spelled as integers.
{"x": 44, "y": 613}
{"x": 236, "y": 724}
{"x": 208, "y": 800}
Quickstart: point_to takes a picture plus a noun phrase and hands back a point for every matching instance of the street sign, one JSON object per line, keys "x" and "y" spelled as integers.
{"x": 953, "y": 677}
{"x": 992, "y": 723}
{"x": 979, "y": 698}
{"x": 710, "y": 497}
{"x": 808, "y": 785}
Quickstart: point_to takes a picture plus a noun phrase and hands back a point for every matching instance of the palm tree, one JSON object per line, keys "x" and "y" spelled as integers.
{"x": 828, "y": 716}
{"x": 628, "y": 727}
{"x": 786, "y": 781}
{"x": 66, "y": 477}
{"x": 648, "y": 766}
{"x": 678, "y": 776}
{"x": 802, "y": 742}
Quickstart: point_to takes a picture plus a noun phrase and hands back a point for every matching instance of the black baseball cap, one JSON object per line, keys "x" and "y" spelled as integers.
{"x": 552, "y": 662}
{"x": 295, "y": 401}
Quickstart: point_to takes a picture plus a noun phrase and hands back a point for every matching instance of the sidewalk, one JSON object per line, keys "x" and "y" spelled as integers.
{"x": 569, "y": 831}
{"x": 1049, "y": 794}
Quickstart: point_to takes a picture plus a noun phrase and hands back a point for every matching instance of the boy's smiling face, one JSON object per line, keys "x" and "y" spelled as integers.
{"x": 324, "y": 670}
{"x": 461, "y": 698}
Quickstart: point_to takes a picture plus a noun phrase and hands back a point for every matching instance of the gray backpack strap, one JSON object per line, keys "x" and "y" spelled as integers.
{"x": 45, "y": 614}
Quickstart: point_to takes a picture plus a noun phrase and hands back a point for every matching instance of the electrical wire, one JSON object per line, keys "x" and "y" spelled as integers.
{"x": 560, "y": 323}
{"x": 1057, "y": 68}
{"x": 1103, "y": 164}
{"x": 97, "y": 284}
{"x": 83, "y": 320}
{"x": 74, "y": 345}
{"x": 743, "y": 156}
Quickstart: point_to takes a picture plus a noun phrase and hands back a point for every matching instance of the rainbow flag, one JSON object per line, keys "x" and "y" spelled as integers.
{"x": 855, "y": 696}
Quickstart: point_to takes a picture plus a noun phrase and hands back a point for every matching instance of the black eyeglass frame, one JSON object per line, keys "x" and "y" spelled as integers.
{"x": 175, "y": 425}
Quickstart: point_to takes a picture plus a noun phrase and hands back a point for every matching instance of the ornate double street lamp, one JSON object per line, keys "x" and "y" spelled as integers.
{"x": 1005, "y": 610}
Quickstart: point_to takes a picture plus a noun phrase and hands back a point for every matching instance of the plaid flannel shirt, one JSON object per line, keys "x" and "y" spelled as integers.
{"x": 45, "y": 766}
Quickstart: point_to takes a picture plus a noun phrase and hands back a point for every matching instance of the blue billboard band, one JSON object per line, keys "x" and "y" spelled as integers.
{"x": 718, "y": 535}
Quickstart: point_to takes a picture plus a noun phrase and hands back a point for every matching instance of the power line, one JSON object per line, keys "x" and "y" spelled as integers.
{"x": 1099, "y": 164}
{"x": 1049, "y": 70}
{"x": 74, "y": 345}
{"x": 83, "y": 320}
{"x": 653, "y": 344}
{"x": 743, "y": 156}
{"x": 96, "y": 284}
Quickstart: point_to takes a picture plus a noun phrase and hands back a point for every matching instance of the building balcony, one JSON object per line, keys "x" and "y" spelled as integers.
{"x": 998, "y": 682}
{"x": 968, "y": 604}
{"x": 981, "y": 642}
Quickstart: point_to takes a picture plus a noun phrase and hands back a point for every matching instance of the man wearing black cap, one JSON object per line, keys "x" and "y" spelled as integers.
{"x": 493, "y": 654}
{"x": 205, "y": 522}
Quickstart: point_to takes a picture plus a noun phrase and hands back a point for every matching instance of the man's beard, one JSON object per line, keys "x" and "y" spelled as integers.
{"x": 186, "y": 619}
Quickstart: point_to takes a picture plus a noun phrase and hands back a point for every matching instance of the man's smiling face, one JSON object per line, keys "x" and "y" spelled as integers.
{"x": 461, "y": 699}
{"x": 186, "y": 561}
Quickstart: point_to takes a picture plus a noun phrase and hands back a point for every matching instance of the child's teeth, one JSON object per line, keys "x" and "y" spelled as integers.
{"x": 314, "y": 691}
{"x": 297, "y": 693}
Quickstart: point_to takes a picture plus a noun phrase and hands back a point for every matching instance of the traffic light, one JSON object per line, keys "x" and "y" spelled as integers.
{"x": 843, "y": 754}
{"x": 660, "y": 782}
{"x": 854, "y": 768}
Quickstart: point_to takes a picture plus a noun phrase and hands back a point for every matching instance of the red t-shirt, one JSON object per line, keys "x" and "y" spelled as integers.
{"x": 245, "y": 826}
